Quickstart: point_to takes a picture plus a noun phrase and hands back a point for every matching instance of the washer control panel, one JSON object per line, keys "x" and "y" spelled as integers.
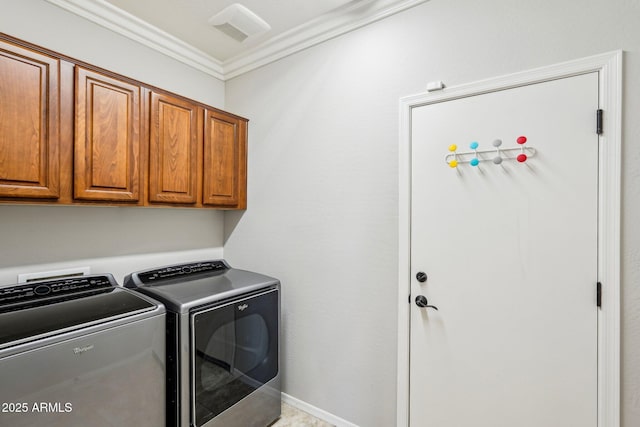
{"x": 12, "y": 297}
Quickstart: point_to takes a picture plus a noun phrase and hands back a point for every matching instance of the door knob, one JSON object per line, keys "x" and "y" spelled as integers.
{"x": 421, "y": 301}
{"x": 421, "y": 276}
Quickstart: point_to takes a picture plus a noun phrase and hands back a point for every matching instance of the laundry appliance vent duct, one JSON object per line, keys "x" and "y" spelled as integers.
{"x": 238, "y": 22}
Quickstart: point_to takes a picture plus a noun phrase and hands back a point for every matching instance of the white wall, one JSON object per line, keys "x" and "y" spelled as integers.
{"x": 116, "y": 240}
{"x": 323, "y": 178}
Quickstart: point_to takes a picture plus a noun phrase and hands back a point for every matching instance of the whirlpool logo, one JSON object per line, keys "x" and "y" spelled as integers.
{"x": 80, "y": 350}
{"x": 243, "y": 307}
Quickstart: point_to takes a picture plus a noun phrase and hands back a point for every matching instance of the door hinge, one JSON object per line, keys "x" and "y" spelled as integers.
{"x": 599, "y": 122}
{"x": 599, "y": 295}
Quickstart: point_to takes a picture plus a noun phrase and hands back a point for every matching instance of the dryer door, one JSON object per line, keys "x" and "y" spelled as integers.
{"x": 235, "y": 352}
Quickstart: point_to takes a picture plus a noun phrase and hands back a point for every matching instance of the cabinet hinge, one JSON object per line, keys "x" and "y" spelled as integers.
{"x": 599, "y": 295}
{"x": 599, "y": 122}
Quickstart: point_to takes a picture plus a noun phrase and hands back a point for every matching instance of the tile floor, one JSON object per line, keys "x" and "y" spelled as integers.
{"x": 293, "y": 417}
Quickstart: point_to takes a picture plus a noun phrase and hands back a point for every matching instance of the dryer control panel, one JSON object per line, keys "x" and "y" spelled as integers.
{"x": 181, "y": 270}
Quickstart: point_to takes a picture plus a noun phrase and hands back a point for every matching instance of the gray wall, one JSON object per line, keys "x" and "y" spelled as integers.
{"x": 116, "y": 240}
{"x": 323, "y": 177}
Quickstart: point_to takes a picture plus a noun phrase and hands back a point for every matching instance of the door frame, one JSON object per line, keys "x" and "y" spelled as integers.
{"x": 609, "y": 67}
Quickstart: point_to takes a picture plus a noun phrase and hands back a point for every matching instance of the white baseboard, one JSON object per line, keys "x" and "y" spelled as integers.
{"x": 316, "y": 412}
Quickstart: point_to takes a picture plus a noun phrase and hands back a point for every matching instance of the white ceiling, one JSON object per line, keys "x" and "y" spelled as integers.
{"x": 179, "y": 28}
{"x": 187, "y": 19}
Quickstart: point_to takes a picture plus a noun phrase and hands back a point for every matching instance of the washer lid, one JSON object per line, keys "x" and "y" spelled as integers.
{"x": 30, "y": 311}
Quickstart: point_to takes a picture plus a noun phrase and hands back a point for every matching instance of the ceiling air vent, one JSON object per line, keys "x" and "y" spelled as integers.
{"x": 238, "y": 22}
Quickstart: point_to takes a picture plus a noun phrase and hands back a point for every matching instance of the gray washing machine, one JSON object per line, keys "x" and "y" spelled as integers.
{"x": 80, "y": 352}
{"x": 223, "y": 334}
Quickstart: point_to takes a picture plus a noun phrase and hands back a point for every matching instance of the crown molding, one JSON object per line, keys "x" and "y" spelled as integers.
{"x": 314, "y": 32}
{"x": 302, "y": 37}
{"x": 124, "y": 23}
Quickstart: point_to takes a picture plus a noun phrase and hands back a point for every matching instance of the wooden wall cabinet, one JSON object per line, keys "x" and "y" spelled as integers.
{"x": 29, "y": 123}
{"x": 71, "y": 133}
{"x": 107, "y": 138}
{"x": 225, "y": 160}
{"x": 174, "y": 150}
{"x": 197, "y": 156}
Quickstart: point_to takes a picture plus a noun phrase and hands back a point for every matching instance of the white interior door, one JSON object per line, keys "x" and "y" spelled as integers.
{"x": 510, "y": 255}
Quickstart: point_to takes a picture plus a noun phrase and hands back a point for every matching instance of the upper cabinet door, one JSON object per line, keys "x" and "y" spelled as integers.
{"x": 107, "y": 138}
{"x": 174, "y": 148}
{"x": 224, "y": 176}
{"x": 29, "y": 124}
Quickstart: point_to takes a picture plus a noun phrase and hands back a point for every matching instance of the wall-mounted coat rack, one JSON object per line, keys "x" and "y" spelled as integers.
{"x": 495, "y": 155}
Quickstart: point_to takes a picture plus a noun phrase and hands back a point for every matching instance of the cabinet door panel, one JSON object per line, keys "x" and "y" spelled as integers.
{"x": 173, "y": 150}
{"x": 224, "y": 160}
{"x": 29, "y": 124}
{"x": 107, "y": 148}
